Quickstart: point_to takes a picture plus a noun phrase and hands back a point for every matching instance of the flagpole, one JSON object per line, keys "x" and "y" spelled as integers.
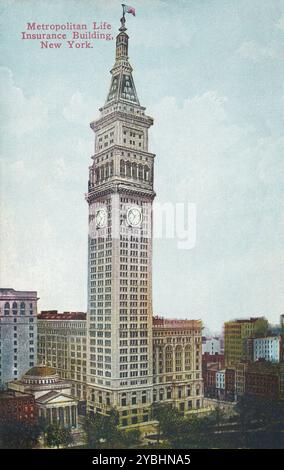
{"x": 123, "y": 10}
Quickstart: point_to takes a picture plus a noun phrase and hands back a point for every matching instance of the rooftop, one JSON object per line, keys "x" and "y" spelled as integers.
{"x": 175, "y": 322}
{"x": 277, "y": 337}
{"x": 41, "y": 371}
{"x": 55, "y": 315}
{"x": 245, "y": 320}
{"x": 10, "y": 394}
{"x": 7, "y": 293}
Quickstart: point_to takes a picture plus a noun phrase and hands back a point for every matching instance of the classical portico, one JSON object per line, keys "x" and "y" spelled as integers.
{"x": 58, "y": 408}
{"x": 53, "y": 395}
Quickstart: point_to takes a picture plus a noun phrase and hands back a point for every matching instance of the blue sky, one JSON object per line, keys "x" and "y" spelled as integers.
{"x": 210, "y": 72}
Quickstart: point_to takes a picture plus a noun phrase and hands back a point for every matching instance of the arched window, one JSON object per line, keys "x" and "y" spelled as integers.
{"x": 146, "y": 173}
{"x": 122, "y": 168}
{"x": 7, "y": 308}
{"x": 22, "y": 308}
{"x": 15, "y": 308}
{"x": 107, "y": 170}
{"x": 140, "y": 172}
{"x": 96, "y": 175}
{"x": 178, "y": 357}
{"x": 101, "y": 173}
{"x": 123, "y": 399}
{"x": 134, "y": 170}
{"x": 128, "y": 169}
{"x": 169, "y": 358}
{"x": 187, "y": 357}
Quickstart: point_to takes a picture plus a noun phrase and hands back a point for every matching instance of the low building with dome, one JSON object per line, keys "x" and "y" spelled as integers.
{"x": 52, "y": 395}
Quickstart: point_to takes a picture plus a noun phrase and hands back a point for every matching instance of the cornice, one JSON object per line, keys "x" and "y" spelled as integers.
{"x": 121, "y": 188}
{"x": 122, "y": 116}
{"x": 114, "y": 147}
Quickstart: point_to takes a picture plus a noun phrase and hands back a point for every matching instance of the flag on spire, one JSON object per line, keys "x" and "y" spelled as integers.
{"x": 128, "y": 9}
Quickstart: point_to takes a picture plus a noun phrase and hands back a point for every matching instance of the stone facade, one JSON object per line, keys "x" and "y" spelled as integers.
{"x": 177, "y": 363}
{"x": 18, "y": 333}
{"x": 62, "y": 343}
{"x": 120, "y": 195}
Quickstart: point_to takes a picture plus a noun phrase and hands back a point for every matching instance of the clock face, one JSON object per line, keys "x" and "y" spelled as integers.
{"x": 134, "y": 216}
{"x": 101, "y": 218}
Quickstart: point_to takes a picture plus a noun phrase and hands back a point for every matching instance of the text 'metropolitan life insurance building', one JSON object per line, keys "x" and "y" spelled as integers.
{"x": 120, "y": 316}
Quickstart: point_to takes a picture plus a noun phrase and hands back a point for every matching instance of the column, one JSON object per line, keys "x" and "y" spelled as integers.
{"x": 67, "y": 412}
{"x": 183, "y": 359}
{"x": 164, "y": 359}
{"x": 73, "y": 416}
{"x": 174, "y": 358}
{"x": 48, "y": 415}
{"x": 61, "y": 416}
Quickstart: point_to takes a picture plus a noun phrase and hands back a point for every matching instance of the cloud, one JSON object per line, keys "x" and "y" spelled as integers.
{"x": 280, "y": 23}
{"x": 233, "y": 175}
{"x": 20, "y": 114}
{"x": 197, "y": 147}
{"x": 257, "y": 53}
{"x": 44, "y": 170}
{"x": 78, "y": 109}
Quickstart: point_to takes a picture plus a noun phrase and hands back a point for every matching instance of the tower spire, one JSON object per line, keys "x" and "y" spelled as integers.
{"x": 122, "y": 86}
{"x": 122, "y": 41}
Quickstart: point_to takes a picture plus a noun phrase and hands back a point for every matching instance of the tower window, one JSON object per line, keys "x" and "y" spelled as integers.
{"x": 7, "y": 308}
{"x": 22, "y": 308}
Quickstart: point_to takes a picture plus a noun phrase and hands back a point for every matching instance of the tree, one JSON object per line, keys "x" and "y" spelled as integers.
{"x": 18, "y": 435}
{"x": 56, "y": 435}
{"x": 178, "y": 430}
{"x": 261, "y": 412}
{"x": 129, "y": 438}
{"x": 193, "y": 431}
{"x": 92, "y": 428}
{"x": 168, "y": 419}
{"x": 218, "y": 415}
{"x": 102, "y": 430}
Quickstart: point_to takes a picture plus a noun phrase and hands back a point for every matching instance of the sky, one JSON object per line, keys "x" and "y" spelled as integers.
{"x": 210, "y": 72}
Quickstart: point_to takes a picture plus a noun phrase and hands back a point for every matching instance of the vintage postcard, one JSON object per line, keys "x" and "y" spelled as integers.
{"x": 142, "y": 269}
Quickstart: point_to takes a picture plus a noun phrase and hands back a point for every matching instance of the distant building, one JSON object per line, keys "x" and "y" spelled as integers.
{"x": 268, "y": 348}
{"x": 208, "y": 359}
{"x": 261, "y": 378}
{"x": 18, "y": 332}
{"x": 177, "y": 363}
{"x": 209, "y": 380}
{"x": 282, "y": 336}
{"x": 52, "y": 395}
{"x": 240, "y": 371}
{"x": 211, "y": 364}
{"x": 62, "y": 345}
{"x": 17, "y": 406}
{"x": 236, "y": 333}
{"x": 212, "y": 345}
{"x": 220, "y": 384}
{"x": 264, "y": 379}
{"x": 230, "y": 384}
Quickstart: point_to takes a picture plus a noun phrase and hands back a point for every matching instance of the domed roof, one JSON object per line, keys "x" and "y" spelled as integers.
{"x": 41, "y": 371}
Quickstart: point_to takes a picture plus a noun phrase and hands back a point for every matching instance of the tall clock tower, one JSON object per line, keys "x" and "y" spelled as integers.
{"x": 120, "y": 196}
